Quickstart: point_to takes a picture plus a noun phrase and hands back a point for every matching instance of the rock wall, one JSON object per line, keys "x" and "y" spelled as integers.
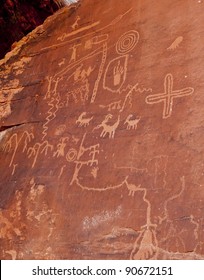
{"x": 101, "y": 142}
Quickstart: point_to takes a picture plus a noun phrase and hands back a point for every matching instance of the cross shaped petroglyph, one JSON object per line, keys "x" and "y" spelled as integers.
{"x": 168, "y": 96}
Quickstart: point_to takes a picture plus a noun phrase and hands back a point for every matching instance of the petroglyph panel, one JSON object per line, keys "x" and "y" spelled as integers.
{"x": 101, "y": 144}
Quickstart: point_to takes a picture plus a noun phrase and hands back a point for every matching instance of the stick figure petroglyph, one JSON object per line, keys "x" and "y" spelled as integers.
{"x": 61, "y": 147}
{"x": 74, "y": 52}
{"x": 39, "y": 148}
{"x": 83, "y": 121}
{"x": 76, "y": 24}
{"x": 15, "y": 141}
{"x": 168, "y": 96}
{"x": 131, "y": 123}
{"x": 108, "y": 129}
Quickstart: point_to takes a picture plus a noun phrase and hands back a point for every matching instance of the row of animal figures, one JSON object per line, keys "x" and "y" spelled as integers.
{"x": 108, "y": 129}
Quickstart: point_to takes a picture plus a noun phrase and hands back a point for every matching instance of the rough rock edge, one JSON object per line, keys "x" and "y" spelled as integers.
{"x": 35, "y": 33}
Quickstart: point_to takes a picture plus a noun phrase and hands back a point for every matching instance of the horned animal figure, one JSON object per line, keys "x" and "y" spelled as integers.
{"x": 83, "y": 121}
{"x": 131, "y": 124}
{"x": 108, "y": 129}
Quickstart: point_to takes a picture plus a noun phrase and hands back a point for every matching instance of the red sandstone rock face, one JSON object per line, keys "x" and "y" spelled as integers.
{"x": 101, "y": 142}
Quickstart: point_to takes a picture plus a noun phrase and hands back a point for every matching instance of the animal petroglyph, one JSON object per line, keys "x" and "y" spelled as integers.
{"x": 127, "y": 42}
{"x": 176, "y": 43}
{"x": 107, "y": 128}
{"x": 132, "y": 189}
{"x": 15, "y": 141}
{"x": 82, "y": 121}
{"x": 39, "y": 148}
{"x": 115, "y": 74}
{"x": 168, "y": 96}
{"x": 131, "y": 123}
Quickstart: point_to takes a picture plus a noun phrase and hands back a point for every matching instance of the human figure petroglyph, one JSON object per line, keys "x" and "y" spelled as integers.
{"x": 108, "y": 129}
{"x": 82, "y": 121}
{"x": 76, "y": 23}
{"x": 61, "y": 147}
{"x": 16, "y": 140}
{"x": 74, "y": 52}
{"x": 168, "y": 96}
{"x": 39, "y": 148}
{"x": 132, "y": 123}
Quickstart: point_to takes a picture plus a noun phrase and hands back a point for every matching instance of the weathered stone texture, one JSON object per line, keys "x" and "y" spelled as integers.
{"x": 101, "y": 142}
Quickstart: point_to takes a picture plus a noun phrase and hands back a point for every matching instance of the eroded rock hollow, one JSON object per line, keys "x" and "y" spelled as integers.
{"x": 101, "y": 142}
